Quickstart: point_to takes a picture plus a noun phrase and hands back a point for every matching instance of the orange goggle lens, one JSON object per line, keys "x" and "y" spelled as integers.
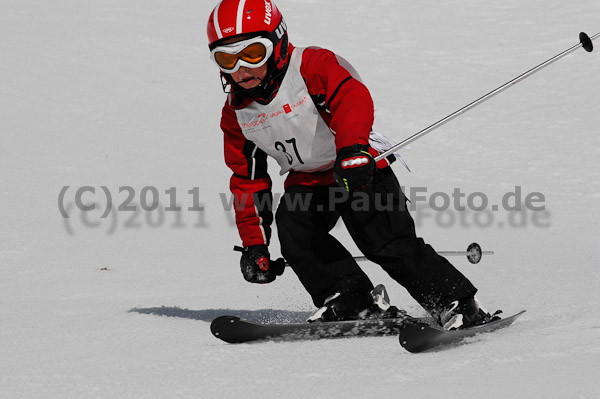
{"x": 252, "y": 54}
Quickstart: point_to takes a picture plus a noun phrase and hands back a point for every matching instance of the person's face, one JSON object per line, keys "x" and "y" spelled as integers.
{"x": 247, "y": 78}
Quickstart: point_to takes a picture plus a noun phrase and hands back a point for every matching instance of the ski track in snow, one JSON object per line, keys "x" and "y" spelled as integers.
{"x": 123, "y": 94}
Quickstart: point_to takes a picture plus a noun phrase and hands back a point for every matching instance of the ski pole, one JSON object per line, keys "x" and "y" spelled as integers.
{"x": 473, "y": 254}
{"x": 584, "y": 41}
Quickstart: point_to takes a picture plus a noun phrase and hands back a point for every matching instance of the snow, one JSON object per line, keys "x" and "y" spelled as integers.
{"x": 122, "y": 93}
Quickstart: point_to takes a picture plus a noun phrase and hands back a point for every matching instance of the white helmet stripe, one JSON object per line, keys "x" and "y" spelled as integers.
{"x": 240, "y": 17}
{"x": 216, "y": 19}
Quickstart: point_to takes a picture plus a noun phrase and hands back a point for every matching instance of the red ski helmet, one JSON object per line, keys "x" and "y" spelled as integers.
{"x": 249, "y": 18}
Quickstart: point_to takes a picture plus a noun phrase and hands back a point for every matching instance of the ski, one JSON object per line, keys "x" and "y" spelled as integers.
{"x": 423, "y": 337}
{"x": 232, "y": 329}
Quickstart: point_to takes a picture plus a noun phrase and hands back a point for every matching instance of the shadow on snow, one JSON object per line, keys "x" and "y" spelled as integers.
{"x": 257, "y": 316}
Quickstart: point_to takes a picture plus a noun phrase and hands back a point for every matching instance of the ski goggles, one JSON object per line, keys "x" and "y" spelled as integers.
{"x": 251, "y": 53}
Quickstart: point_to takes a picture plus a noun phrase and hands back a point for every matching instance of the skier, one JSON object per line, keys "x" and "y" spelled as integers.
{"x": 307, "y": 108}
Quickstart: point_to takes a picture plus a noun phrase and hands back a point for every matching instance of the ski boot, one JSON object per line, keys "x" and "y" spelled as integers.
{"x": 357, "y": 306}
{"x": 465, "y": 313}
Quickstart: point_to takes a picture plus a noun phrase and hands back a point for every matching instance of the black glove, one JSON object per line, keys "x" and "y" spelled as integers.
{"x": 256, "y": 266}
{"x": 354, "y": 167}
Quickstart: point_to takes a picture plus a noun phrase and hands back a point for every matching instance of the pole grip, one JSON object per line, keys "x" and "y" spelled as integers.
{"x": 277, "y": 266}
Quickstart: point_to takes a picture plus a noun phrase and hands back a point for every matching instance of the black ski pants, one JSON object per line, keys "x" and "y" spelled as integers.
{"x": 381, "y": 226}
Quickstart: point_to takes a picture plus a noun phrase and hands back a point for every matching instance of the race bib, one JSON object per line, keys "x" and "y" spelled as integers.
{"x": 290, "y": 128}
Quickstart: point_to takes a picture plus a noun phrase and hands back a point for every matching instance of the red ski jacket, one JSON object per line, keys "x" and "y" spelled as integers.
{"x": 345, "y": 105}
